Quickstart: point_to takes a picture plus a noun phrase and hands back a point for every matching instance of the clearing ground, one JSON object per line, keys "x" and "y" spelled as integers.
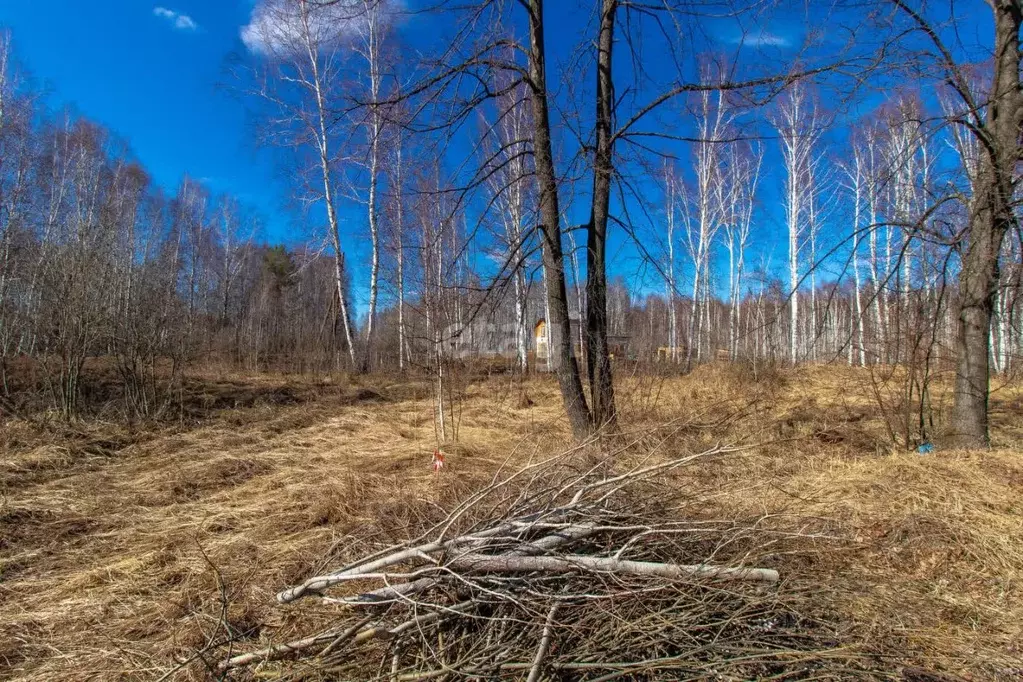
{"x": 123, "y": 552}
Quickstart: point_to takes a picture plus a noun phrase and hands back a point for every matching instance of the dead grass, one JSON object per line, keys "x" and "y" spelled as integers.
{"x": 122, "y": 552}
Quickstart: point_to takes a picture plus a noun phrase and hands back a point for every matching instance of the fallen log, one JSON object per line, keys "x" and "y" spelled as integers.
{"x": 319, "y": 583}
{"x": 407, "y": 589}
{"x": 485, "y": 563}
{"x": 468, "y": 596}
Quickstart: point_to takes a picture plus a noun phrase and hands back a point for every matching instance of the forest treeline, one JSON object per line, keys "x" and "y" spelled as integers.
{"x": 773, "y": 227}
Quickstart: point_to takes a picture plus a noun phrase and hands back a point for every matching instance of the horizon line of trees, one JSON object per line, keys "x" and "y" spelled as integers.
{"x": 501, "y": 131}
{"x": 901, "y": 235}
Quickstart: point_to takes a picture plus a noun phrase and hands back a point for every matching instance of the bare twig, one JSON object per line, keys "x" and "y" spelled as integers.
{"x": 545, "y": 642}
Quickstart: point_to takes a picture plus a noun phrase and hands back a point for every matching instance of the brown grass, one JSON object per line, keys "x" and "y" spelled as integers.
{"x": 123, "y": 552}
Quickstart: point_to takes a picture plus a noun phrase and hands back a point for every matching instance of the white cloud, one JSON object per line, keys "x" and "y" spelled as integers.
{"x": 761, "y": 39}
{"x": 277, "y": 27}
{"x": 182, "y": 22}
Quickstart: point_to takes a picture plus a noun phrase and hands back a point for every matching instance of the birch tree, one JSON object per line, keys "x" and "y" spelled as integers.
{"x": 397, "y": 203}
{"x": 371, "y": 27}
{"x": 796, "y": 122}
{"x": 703, "y": 217}
{"x": 670, "y": 212}
{"x": 510, "y": 181}
{"x": 299, "y": 42}
{"x": 15, "y": 164}
{"x": 739, "y": 190}
{"x": 855, "y": 173}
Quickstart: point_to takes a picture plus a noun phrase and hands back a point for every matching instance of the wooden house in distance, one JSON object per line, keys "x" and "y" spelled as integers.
{"x": 618, "y": 345}
{"x": 482, "y": 339}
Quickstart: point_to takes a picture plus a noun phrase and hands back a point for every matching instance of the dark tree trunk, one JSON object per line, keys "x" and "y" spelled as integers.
{"x": 977, "y": 282}
{"x": 597, "y": 355}
{"x": 566, "y": 366}
{"x": 991, "y": 216}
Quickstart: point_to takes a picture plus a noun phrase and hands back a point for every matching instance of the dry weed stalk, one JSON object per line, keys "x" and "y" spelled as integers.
{"x": 563, "y": 567}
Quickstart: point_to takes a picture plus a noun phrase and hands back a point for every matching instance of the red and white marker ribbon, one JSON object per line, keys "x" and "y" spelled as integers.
{"x": 438, "y": 460}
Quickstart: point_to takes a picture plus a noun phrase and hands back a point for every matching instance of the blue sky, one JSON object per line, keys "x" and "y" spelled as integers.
{"x": 154, "y": 72}
{"x": 156, "y": 79}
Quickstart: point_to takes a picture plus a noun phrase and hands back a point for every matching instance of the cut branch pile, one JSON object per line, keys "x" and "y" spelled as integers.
{"x": 565, "y": 572}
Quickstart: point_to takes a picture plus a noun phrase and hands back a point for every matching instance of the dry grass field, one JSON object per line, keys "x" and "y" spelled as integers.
{"x": 123, "y": 553}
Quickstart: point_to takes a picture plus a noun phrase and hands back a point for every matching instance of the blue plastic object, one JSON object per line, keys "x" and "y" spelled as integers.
{"x": 925, "y": 448}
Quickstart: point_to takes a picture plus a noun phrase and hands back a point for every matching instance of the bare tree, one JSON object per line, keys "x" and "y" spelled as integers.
{"x": 742, "y": 178}
{"x": 996, "y": 122}
{"x": 670, "y": 209}
{"x": 703, "y": 217}
{"x": 510, "y": 180}
{"x": 15, "y": 167}
{"x": 566, "y": 366}
{"x": 398, "y": 231}
{"x": 371, "y": 26}
{"x": 300, "y": 41}
{"x": 856, "y": 175}
{"x": 796, "y": 122}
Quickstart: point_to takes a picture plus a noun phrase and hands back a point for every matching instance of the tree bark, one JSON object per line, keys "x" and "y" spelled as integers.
{"x": 572, "y": 563}
{"x": 978, "y": 283}
{"x": 598, "y": 360}
{"x": 375, "y": 125}
{"x": 328, "y": 190}
{"x": 672, "y": 355}
{"x": 991, "y": 216}
{"x": 566, "y": 367}
{"x": 397, "y": 190}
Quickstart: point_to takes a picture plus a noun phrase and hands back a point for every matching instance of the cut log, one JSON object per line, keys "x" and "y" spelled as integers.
{"x": 407, "y": 589}
{"x": 320, "y": 583}
{"x": 569, "y": 564}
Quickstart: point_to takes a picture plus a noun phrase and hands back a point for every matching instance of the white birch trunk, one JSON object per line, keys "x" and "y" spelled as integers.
{"x": 400, "y": 249}
{"x": 328, "y": 188}
{"x": 857, "y": 189}
{"x": 373, "y": 63}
